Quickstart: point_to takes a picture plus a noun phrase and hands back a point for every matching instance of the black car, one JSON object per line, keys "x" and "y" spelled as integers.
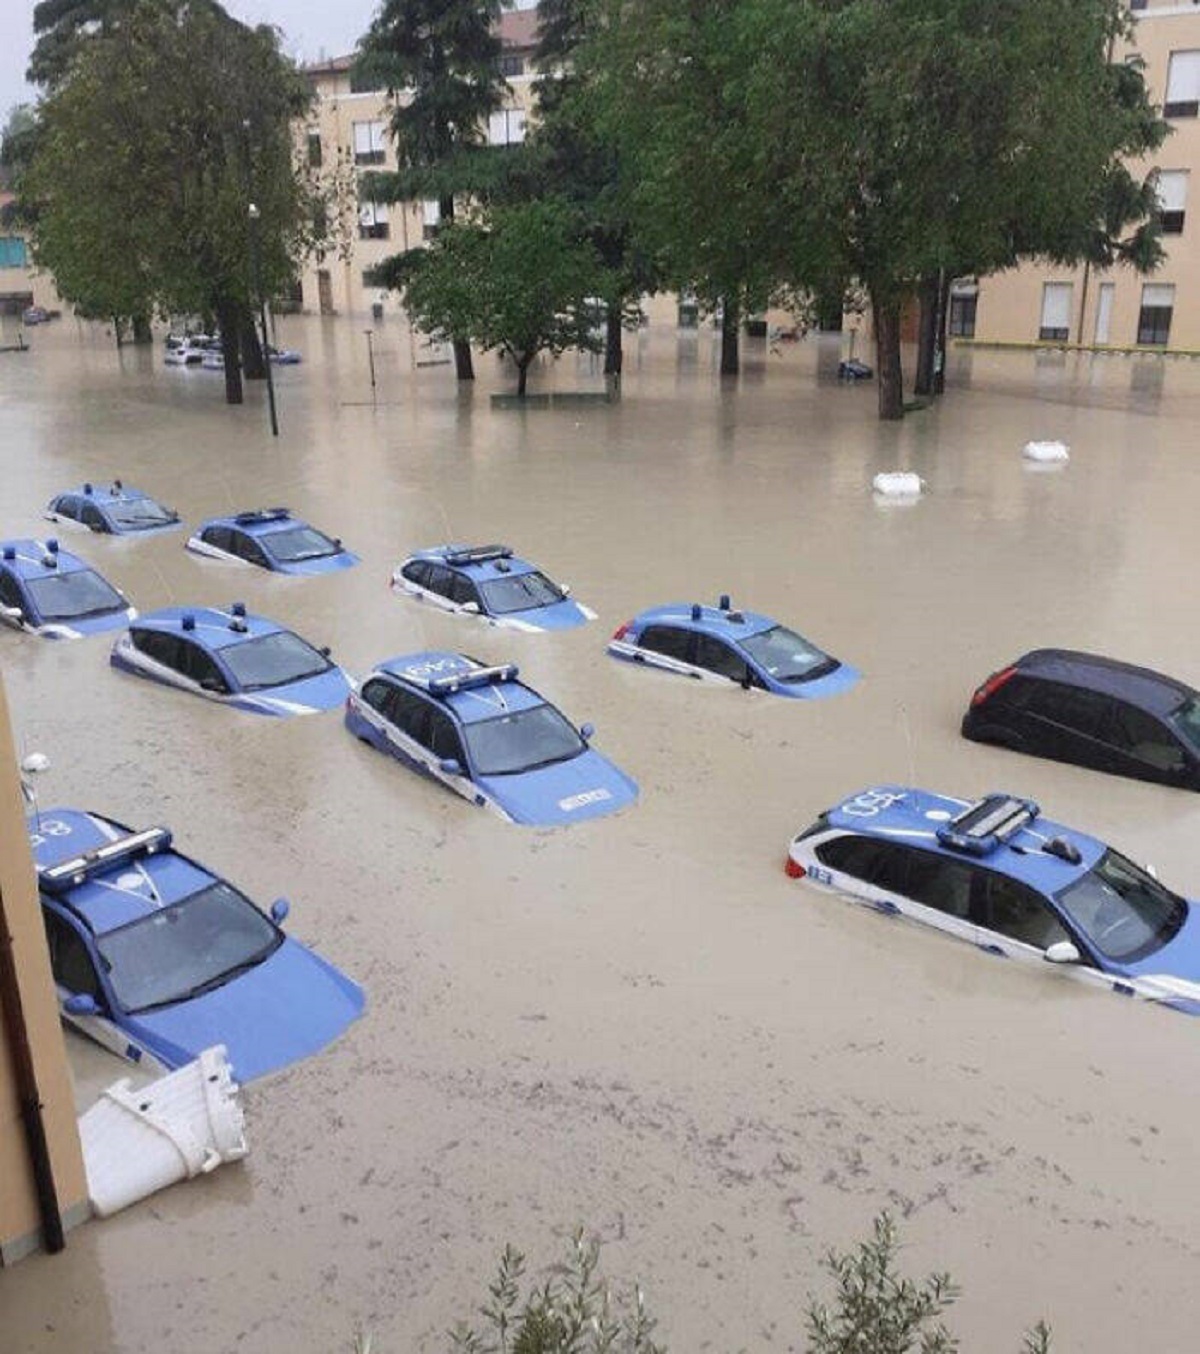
{"x": 1093, "y": 711}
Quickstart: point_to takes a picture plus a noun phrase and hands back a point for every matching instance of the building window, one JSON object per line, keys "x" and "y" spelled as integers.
{"x": 1056, "y": 312}
{"x": 1154, "y": 318}
{"x": 506, "y": 128}
{"x": 1137, "y": 4}
{"x": 512, "y": 65}
{"x": 1172, "y": 186}
{"x": 368, "y": 143}
{"x": 314, "y": 150}
{"x": 962, "y": 316}
{"x": 373, "y": 221}
{"x": 431, "y": 215}
{"x": 13, "y": 253}
{"x": 1183, "y": 85}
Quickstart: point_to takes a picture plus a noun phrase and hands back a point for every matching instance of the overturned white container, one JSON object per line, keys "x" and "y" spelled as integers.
{"x": 897, "y": 484}
{"x": 1048, "y": 453}
{"x": 137, "y": 1141}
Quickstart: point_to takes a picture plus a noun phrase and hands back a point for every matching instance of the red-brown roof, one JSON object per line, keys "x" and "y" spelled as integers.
{"x": 517, "y": 29}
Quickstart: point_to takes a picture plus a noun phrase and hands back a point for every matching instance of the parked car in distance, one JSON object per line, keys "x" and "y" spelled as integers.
{"x": 998, "y": 875}
{"x": 283, "y": 357}
{"x": 186, "y": 353}
{"x": 116, "y": 510}
{"x": 50, "y": 592}
{"x": 486, "y": 736}
{"x": 723, "y": 645}
{"x": 1092, "y": 711}
{"x": 233, "y": 658}
{"x": 157, "y": 957}
{"x": 492, "y": 583}
{"x": 271, "y": 538}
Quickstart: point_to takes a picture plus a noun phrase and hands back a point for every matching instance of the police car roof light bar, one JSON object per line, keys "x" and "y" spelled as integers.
{"x": 260, "y": 515}
{"x": 980, "y": 829}
{"x": 478, "y": 554}
{"x": 71, "y": 873}
{"x": 473, "y": 677}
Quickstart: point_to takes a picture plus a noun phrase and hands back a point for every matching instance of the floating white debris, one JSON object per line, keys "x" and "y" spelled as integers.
{"x": 138, "y": 1141}
{"x": 897, "y": 484}
{"x": 1046, "y": 452}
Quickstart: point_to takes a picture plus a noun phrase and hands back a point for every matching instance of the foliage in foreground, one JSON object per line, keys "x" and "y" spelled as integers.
{"x": 874, "y": 1309}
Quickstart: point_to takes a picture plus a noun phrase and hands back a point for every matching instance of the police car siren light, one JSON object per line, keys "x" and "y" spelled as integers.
{"x": 723, "y": 602}
{"x": 238, "y": 609}
{"x": 696, "y": 611}
{"x": 52, "y": 545}
{"x": 87, "y": 488}
{"x": 10, "y": 552}
{"x": 117, "y": 486}
{"x": 188, "y": 622}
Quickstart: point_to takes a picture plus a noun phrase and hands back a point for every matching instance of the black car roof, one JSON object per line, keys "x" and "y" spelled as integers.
{"x": 1149, "y": 690}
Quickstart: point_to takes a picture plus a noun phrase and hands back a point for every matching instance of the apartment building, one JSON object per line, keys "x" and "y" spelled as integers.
{"x": 20, "y": 284}
{"x": 353, "y": 123}
{"x": 1119, "y": 308}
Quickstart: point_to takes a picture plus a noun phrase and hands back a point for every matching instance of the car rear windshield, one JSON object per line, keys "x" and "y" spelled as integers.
{"x": 299, "y": 543}
{"x": 522, "y": 741}
{"x": 74, "y": 596}
{"x": 1187, "y": 720}
{"x": 186, "y": 949}
{"x": 272, "y": 660}
{"x": 1123, "y": 912}
{"x": 140, "y": 514}
{"x": 523, "y": 592}
{"x": 787, "y": 656}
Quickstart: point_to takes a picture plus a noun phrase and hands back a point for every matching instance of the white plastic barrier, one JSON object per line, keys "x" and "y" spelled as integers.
{"x": 138, "y": 1141}
{"x": 1046, "y": 452}
{"x": 897, "y": 484}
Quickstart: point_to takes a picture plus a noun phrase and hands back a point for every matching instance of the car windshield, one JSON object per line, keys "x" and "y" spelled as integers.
{"x": 298, "y": 543}
{"x": 272, "y": 660}
{"x": 186, "y": 949}
{"x": 74, "y": 596}
{"x": 139, "y": 514}
{"x": 522, "y": 592}
{"x": 522, "y": 741}
{"x": 1125, "y": 913}
{"x": 1187, "y": 720}
{"x": 787, "y": 656}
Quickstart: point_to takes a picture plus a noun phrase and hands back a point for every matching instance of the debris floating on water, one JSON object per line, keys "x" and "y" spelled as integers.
{"x": 897, "y": 484}
{"x": 1047, "y": 452}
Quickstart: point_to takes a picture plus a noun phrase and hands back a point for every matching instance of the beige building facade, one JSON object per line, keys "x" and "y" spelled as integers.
{"x": 1120, "y": 308}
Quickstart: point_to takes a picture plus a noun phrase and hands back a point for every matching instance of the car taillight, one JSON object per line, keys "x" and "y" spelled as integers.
{"x": 793, "y": 869}
{"x": 992, "y": 685}
{"x": 622, "y": 630}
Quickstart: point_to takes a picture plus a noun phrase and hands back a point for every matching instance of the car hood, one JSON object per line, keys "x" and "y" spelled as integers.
{"x": 564, "y": 615}
{"x": 88, "y": 625}
{"x": 842, "y": 678}
{"x": 149, "y": 531}
{"x": 326, "y": 564}
{"x": 286, "y": 1008}
{"x": 1176, "y": 967}
{"x": 323, "y": 692}
{"x": 587, "y": 786}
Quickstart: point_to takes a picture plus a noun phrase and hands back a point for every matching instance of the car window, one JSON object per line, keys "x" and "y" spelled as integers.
{"x": 670, "y": 640}
{"x": 438, "y": 579}
{"x": 1017, "y": 693}
{"x": 158, "y": 646}
{"x": 247, "y": 548}
{"x": 196, "y": 663}
{"x": 714, "y": 655}
{"x": 10, "y": 592}
{"x": 64, "y": 505}
{"x": 443, "y": 737}
{"x": 91, "y": 517}
{"x": 462, "y": 590}
{"x": 857, "y": 856}
{"x": 70, "y": 961}
{"x": 939, "y": 883}
{"x": 1144, "y": 738}
{"x": 1071, "y": 707}
{"x": 375, "y": 693}
{"x": 416, "y": 571}
{"x": 409, "y": 713}
{"x": 1016, "y": 911}
{"x": 218, "y": 536}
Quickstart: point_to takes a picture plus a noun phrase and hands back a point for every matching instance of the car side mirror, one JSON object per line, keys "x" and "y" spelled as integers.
{"x": 14, "y": 613}
{"x": 471, "y": 608}
{"x": 1151, "y": 871}
{"x": 565, "y": 589}
{"x": 279, "y": 910}
{"x": 337, "y": 540}
{"x": 95, "y": 526}
{"x": 587, "y": 732}
{"x": 1062, "y": 952}
{"x": 81, "y": 1004}
{"x": 211, "y": 683}
{"x": 325, "y": 651}
{"x": 450, "y": 766}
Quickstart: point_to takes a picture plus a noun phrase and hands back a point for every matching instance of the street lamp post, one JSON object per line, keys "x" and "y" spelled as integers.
{"x": 371, "y": 361}
{"x": 256, "y": 269}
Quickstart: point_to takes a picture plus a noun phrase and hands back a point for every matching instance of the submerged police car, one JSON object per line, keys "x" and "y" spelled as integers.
{"x": 271, "y": 538}
{"x": 997, "y": 874}
{"x": 115, "y": 510}
{"x": 232, "y": 657}
{"x": 157, "y": 958}
{"x": 490, "y": 582}
{"x": 50, "y": 592}
{"x": 488, "y": 737}
{"x": 724, "y": 645}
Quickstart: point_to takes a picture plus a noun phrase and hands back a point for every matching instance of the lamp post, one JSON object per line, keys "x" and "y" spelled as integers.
{"x": 371, "y": 361}
{"x": 256, "y": 271}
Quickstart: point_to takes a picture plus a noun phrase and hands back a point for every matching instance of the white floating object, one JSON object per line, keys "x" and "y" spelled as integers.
{"x": 1046, "y": 452}
{"x": 35, "y": 762}
{"x": 897, "y": 484}
{"x": 138, "y": 1141}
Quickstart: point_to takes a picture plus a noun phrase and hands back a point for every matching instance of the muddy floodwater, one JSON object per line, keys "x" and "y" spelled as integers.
{"x": 639, "y": 1024}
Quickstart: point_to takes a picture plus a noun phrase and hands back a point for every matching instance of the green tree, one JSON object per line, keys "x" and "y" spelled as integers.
{"x": 516, "y": 280}
{"x": 439, "y": 61}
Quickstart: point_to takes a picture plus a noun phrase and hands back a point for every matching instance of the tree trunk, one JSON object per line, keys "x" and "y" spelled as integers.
{"x": 463, "y": 367}
{"x": 927, "y": 335}
{"x": 885, "y": 316}
{"x": 943, "y": 324}
{"x": 118, "y": 326}
{"x": 522, "y": 374}
{"x": 227, "y": 321}
{"x": 613, "y": 354}
{"x": 729, "y": 337}
{"x": 254, "y": 363}
{"x": 141, "y": 329}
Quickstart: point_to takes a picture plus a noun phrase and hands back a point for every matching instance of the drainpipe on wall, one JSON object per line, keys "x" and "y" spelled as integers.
{"x": 1087, "y": 272}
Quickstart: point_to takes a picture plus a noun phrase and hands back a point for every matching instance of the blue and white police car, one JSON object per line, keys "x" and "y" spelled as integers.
{"x": 116, "y": 510}
{"x": 998, "y": 875}
{"x": 488, "y": 737}
{"x": 723, "y": 645}
{"x": 50, "y": 592}
{"x": 271, "y": 538}
{"x": 490, "y": 582}
{"x": 234, "y": 658}
{"x": 158, "y": 958}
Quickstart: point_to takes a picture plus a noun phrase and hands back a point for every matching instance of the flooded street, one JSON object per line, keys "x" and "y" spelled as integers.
{"x": 639, "y": 1024}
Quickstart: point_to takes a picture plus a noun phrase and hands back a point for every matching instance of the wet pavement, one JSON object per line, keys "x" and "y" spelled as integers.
{"x": 638, "y": 1024}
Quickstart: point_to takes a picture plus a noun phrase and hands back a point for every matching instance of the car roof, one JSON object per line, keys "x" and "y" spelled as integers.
{"x": 911, "y": 816}
{"x": 26, "y": 557}
{"x": 1143, "y": 687}
{"x": 489, "y": 562}
{"x": 724, "y": 623}
{"x": 131, "y": 888}
{"x": 104, "y": 494}
{"x": 208, "y": 626}
{"x": 257, "y": 521}
{"x": 496, "y": 692}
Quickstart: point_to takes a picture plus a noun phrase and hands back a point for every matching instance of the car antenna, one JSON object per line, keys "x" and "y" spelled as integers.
{"x": 32, "y": 764}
